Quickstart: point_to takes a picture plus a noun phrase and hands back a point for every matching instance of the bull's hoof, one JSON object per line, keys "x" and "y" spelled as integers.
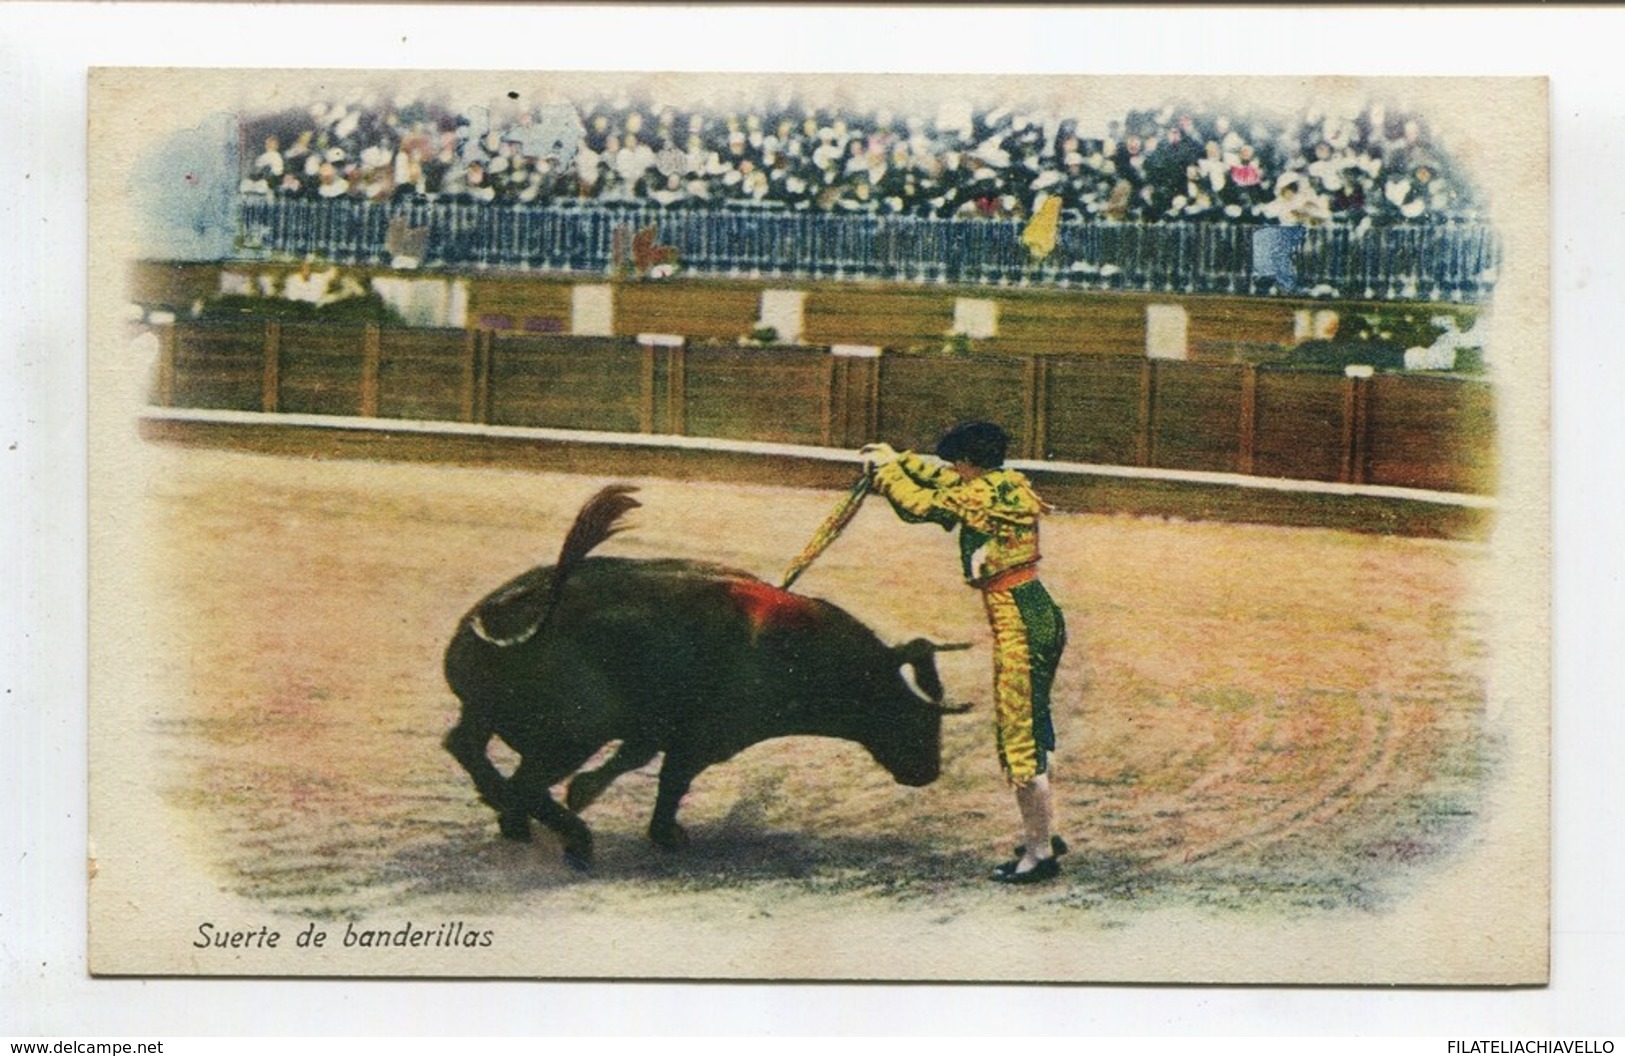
{"x": 578, "y": 851}
{"x": 671, "y": 838}
{"x": 514, "y": 826}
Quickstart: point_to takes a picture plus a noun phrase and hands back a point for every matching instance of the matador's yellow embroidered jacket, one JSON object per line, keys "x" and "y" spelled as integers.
{"x": 997, "y": 513}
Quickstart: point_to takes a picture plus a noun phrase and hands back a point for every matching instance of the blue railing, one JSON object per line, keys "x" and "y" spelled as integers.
{"x": 1451, "y": 260}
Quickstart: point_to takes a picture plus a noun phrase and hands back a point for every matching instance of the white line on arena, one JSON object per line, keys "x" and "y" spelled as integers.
{"x": 823, "y": 454}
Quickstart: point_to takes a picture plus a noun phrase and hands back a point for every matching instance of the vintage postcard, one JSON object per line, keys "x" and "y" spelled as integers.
{"x": 778, "y": 527}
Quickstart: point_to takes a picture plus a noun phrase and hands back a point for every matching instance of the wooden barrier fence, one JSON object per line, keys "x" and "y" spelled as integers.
{"x": 896, "y": 315}
{"x": 1432, "y": 432}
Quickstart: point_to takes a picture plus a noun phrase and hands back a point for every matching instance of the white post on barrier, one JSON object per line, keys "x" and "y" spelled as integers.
{"x": 592, "y": 310}
{"x": 785, "y": 312}
{"x": 1167, "y": 331}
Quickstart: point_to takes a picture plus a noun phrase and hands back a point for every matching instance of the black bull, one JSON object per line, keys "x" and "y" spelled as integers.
{"x": 690, "y": 659}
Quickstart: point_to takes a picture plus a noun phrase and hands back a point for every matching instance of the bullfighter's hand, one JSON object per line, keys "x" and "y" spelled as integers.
{"x": 877, "y": 454}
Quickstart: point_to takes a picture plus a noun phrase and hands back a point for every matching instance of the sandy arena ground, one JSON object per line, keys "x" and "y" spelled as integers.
{"x": 1252, "y": 720}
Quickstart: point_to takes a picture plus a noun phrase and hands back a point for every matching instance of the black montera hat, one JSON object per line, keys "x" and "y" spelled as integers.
{"x": 982, "y": 444}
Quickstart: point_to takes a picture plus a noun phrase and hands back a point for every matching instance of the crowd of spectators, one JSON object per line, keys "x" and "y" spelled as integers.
{"x": 1175, "y": 163}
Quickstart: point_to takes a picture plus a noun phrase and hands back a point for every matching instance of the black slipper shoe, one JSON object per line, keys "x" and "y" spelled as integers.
{"x": 1046, "y": 869}
{"x": 1057, "y": 847}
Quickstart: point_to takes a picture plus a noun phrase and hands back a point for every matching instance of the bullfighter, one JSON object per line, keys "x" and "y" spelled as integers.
{"x": 997, "y": 512}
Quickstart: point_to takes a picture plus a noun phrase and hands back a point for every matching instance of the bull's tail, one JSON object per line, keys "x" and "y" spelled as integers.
{"x": 598, "y": 520}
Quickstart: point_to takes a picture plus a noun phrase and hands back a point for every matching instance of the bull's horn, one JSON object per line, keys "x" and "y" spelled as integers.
{"x": 920, "y": 648}
{"x": 956, "y": 709}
